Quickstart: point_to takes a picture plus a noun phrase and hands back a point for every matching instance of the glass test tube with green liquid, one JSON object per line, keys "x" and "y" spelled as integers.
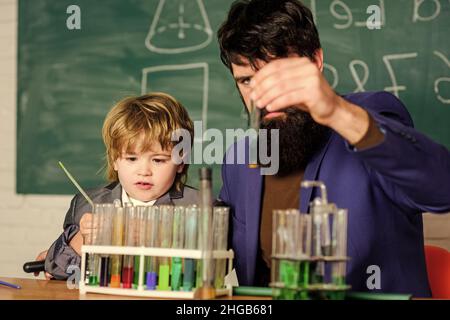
{"x": 302, "y": 240}
{"x": 289, "y": 269}
{"x": 177, "y": 243}
{"x": 166, "y": 225}
{"x": 93, "y": 260}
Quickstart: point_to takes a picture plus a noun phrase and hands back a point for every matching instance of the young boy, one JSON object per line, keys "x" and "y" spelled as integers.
{"x": 137, "y": 134}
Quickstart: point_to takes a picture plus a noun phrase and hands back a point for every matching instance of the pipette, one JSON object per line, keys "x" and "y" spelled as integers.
{"x": 76, "y": 184}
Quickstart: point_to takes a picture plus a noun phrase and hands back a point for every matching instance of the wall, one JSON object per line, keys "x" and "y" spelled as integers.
{"x": 28, "y": 223}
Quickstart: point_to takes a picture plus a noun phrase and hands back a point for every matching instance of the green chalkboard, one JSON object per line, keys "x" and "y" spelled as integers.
{"x": 69, "y": 78}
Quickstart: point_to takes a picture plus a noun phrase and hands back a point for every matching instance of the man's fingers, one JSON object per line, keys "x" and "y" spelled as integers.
{"x": 279, "y": 80}
{"x": 290, "y": 98}
{"x": 278, "y": 66}
{"x": 48, "y": 276}
{"x": 281, "y": 88}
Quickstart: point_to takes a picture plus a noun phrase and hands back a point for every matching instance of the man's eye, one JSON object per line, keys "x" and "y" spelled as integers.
{"x": 244, "y": 81}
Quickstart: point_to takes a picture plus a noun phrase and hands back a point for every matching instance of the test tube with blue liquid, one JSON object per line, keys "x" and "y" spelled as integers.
{"x": 152, "y": 241}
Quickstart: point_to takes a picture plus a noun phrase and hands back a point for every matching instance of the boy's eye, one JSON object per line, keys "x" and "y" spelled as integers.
{"x": 157, "y": 160}
{"x": 131, "y": 158}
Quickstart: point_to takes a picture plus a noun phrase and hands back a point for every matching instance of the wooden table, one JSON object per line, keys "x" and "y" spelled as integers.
{"x": 36, "y": 289}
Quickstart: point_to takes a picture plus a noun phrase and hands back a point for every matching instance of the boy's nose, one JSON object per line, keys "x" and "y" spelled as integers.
{"x": 145, "y": 170}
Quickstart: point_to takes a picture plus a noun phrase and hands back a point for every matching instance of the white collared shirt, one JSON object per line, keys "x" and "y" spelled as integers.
{"x": 127, "y": 199}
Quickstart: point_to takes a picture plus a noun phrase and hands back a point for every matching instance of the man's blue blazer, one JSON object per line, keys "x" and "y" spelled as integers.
{"x": 385, "y": 188}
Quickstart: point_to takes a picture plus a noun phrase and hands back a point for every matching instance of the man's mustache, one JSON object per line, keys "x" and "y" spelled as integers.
{"x": 290, "y": 111}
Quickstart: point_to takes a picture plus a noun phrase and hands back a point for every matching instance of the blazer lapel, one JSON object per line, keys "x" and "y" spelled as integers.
{"x": 116, "y": 193}
{"x": 165, "y": 199}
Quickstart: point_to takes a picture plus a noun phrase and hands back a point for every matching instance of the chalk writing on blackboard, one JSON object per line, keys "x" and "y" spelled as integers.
{"x": 176, "y": 27}
{"x": 195, "y": 80}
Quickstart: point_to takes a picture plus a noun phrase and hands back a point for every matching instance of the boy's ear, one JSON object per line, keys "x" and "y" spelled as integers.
{"x": 180, "y": 168}
{"x": 115, "y": 165}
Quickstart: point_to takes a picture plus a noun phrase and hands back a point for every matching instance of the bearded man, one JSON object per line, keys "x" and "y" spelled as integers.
{"x": 362, "y": 146}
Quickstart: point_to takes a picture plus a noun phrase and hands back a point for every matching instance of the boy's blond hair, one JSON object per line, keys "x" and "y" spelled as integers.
{"x": 155, "y": 116}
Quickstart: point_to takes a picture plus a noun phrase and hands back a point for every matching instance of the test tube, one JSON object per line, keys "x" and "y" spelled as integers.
{"x": 207, "y": 290}
{"x": 284, "y": 249}
{"x": 318, "y": 234}
{"x": 93, "y": 259}
{"x": 130, "y": 235}
{"x": 151, "y": 241}
{"x": 117, "y": 240}
{"x": 105, "y": 228}
{"x": 177, "y": 243}
{"x": 139, "y": 240}
{"x": 165, "y": 225}
{"x": 255, "y": 120}
{"x": 302, "y": 236}
{"x": 220, "y": 231}
{"x": 340, "y": 241}
{"x": 190, "y": 242}
{"x": 290, "y": 267}
{"x": 326, "y": 234}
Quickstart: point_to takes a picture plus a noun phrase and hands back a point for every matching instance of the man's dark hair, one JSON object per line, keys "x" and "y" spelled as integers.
{"x": 267, "y": 29}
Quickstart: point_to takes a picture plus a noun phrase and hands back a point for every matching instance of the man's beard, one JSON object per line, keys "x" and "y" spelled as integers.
{"x": 300, "y": 137}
